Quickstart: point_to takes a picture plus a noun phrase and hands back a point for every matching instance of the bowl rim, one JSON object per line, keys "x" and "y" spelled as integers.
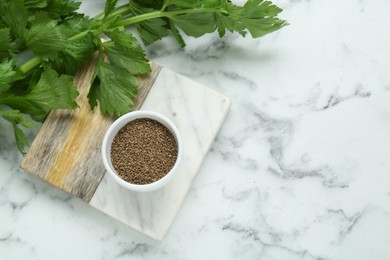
{"x": 112, "y": 131}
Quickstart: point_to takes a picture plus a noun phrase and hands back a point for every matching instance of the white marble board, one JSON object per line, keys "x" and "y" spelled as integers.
{"x": 198, "y": 113}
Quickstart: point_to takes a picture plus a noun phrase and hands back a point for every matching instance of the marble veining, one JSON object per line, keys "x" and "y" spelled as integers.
{"x": 299, "y": 171}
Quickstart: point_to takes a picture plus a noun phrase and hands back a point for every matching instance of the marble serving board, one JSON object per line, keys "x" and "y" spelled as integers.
{"x": 66, "y": 151}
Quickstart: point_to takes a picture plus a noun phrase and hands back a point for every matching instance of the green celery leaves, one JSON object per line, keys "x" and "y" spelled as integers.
{"x": 258, "y": 17}
{"x": 124, "y": 51}
{"x": 149, "y": 30}
{"x": 52, "y": 91}
{"x": 117, "y": 79}
{"x": 7, "y": 47}
{"x": 61, "y": 41}
{"x": 60, "y": 9}
{"x": 16, "y": 118}
{"x": 195, "y": 24}
{"x": 45, "y": 38}
{"x": 7, "y": 75}
{"x": 16, "y": 17}
{"x": 196, "y": 18}
{"x": 116, "y": 90}
{"x": 110, "y": 5}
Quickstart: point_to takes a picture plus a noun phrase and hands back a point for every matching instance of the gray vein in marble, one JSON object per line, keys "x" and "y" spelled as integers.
{"x": 137, "y": 249}
{"x": 246, "y": 232}
{"x": 267, "y": 235}
{"x": 252, "y": 234}
{"x": 269, "y": 123}
{"x": 281, "y": 131}
{"x": 324, "y": 173}
{"x": 238, "y": 196}
{"x": 60, "y": 196}
{"x": 226, "y": 148}
{"x": 6, "y": 237}
{"x": 18, "y": 206}
{"x": 8, "y": 154}
{"x": 304, "y": 254}
{"x": 37, "y": 185}
{"x": 287, "y": 253}
{"x": 10, "y": 238}
{"x": 134, "y": 249}
{"x": 351, "y": 221}
{"x": 11, "y": 241}
{"x": 244, "y": 81}
{"x": 276, "y": 152}
{"x": 110, "y": 235}
{"x": 334, "y": 100}
{"x": 215, "y": 50}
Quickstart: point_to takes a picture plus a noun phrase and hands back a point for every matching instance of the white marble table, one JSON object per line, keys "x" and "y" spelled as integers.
{"x": 300, "y": 170}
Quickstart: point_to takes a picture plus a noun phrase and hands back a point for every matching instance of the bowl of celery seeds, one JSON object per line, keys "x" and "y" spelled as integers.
{"x": 142, "y": 150}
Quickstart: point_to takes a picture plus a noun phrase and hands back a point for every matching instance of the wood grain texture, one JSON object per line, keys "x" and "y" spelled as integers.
{"x": 66, "y": 151}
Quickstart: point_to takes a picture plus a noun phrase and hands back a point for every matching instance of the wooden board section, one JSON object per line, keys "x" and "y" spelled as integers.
{"x": 61, "y": 152}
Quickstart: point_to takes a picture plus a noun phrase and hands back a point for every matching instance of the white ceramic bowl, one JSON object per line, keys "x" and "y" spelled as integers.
{"x": 112, "y": 132}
